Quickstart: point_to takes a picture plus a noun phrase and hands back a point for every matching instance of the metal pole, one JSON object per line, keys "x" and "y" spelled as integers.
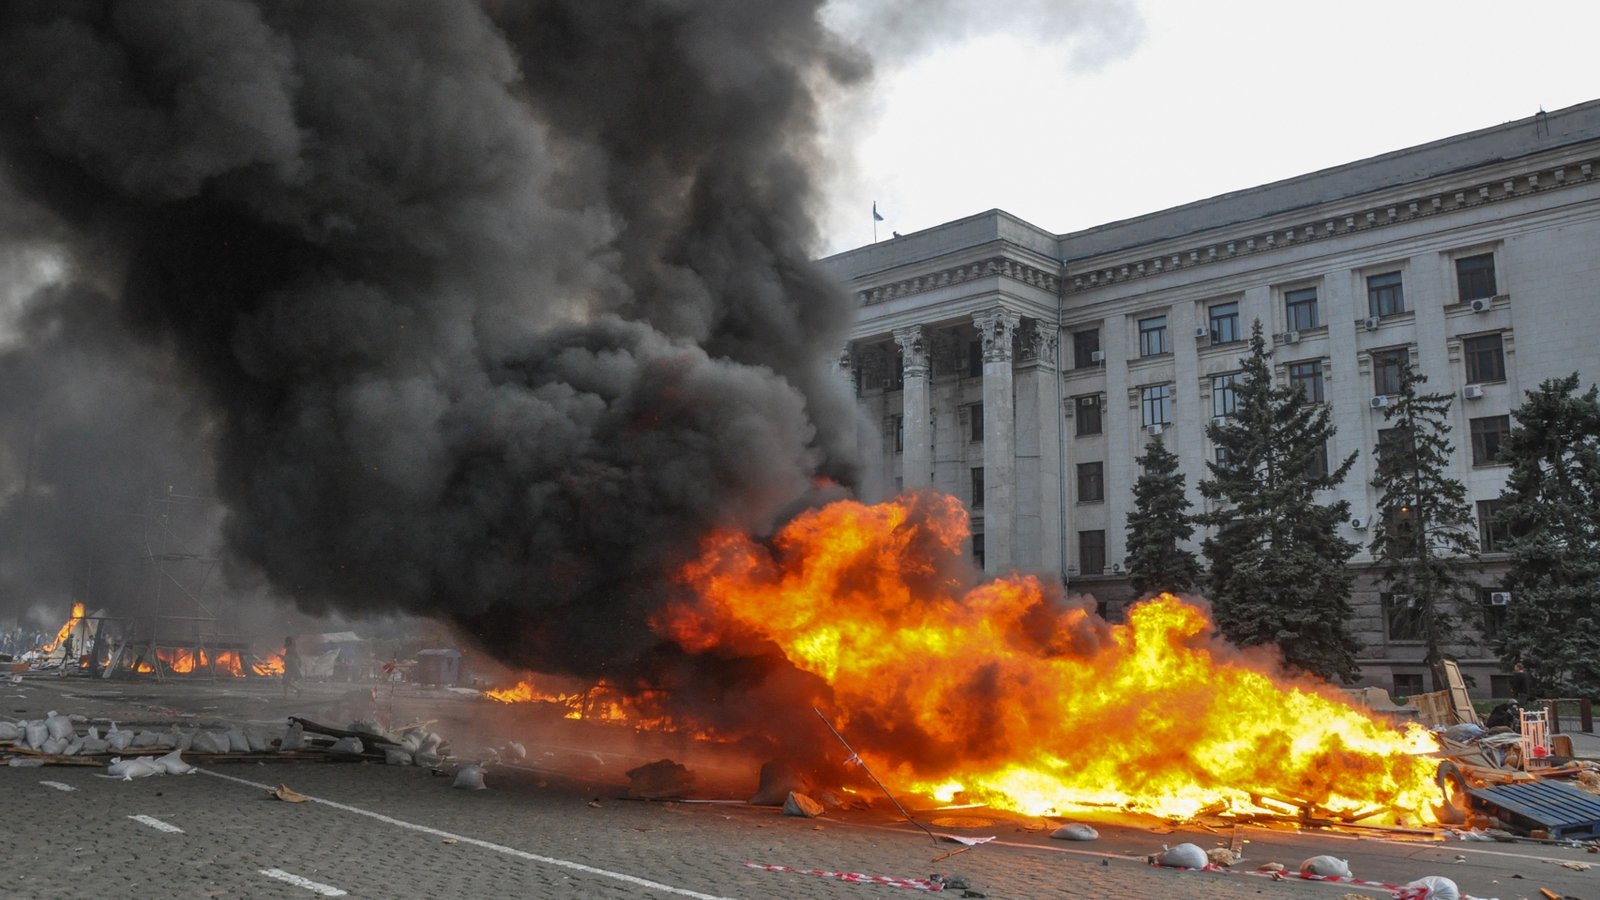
{"x": 856, "y": 758}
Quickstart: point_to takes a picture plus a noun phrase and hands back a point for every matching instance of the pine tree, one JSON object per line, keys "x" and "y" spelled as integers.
{"x": 1425, "y": 534}
{"x": 1551, "y": 511}
{"x": 1276, "y": 560}
{"x": 1158, "y": 526}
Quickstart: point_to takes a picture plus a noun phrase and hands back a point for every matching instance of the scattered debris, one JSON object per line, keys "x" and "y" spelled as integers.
{"x": 777, "y": 781}
{"x": 470, "y": 778}
{"x": 661, "y": 780}
{"x": 1222, "y": 856}
{"x": 287, "y": 794}
{"x": 801, "y": 805}
{"x": 1075, "y": 831}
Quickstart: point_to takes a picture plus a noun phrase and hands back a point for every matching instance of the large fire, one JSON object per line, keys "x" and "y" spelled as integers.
{"x": 994, "y": 690}
{"x": 72, "y": 622}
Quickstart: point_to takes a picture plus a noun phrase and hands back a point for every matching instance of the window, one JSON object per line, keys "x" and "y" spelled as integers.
{"x": 1224, "y": 399}
{"x": 1475, "y": 277}
{"x": 1492, "y": 535}
{"x": 977, "y": 487}
{"x": 1153, "y": 336}
{"x": 1307, "y": 377}
{"x": 977, "y": 549}
{"x": 1494, "y": 616}
{"x": 1488, "y": 434}
{"x": 1086, "y": 412}
{"x": 1385, "y": 296}
{"x": 1091, "y": 552}
{"x": 1386, "y": 370}
{"x": 1407, "y": 684}
{"x": 975, "y": 423}
{"x": 1319, "y": 463}
{"x": 1486, "y": 358}
{"x": 897, "y": 433}
{"x": 1091, "y": 482}
{"x": 1156, "y": 404}
{"x": 1300, "y": 309}
{"x": 975, "y": 359}
{"x": 1225, "y": 323}
{"x": 1085, "y": 344}
{"x": 897, "y": 370}
{"x": 1402, "y": 617}
{"x": 1401, "y": 523}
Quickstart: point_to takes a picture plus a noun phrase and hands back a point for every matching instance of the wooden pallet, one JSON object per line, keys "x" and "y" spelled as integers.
{"x": 1560, "y": 810}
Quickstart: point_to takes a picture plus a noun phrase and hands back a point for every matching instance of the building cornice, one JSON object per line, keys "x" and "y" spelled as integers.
{"x": 990, "y": 267}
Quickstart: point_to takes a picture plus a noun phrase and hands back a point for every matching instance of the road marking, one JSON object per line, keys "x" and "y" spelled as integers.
{"x": 326, "y": 890}
{"x": 58, "y": 785}
{"x": 498, "y": 848}
{"x": 157, "y": 824}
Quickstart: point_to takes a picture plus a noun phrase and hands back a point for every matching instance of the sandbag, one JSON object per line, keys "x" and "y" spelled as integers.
{"x": 350, "y": 745}
{"x": 431, "y": 742}
{"x": 128, "y": 769}
{"x": 1326, "y": 866}
{"x": 396, "y": 756}
{"x": 469, "y": 778}
{"x": 10, "y": 731}
{"x": 208, "y": 742}
{"x": 144, "y": 739}
{"x": 119, "y": 740}
{"x": 802, "y": 806}
{"x": 294, "y": 738}
{"x": 1075, "y": 831}
{"x": 59, "y": 727}
{"x": 53, "y": 746}
{"x": 1183, "y": 856}
{"x": 24, "y": 762}
{"x": 74, "y": 747}
{"x": 173, "y": 764}
{"x": 95, "y": 745}
{"x": 94, "y": 733}
{"x": 257, "y": 740}
{"x": 427, "y": 760}
{"x": 1432, "y": 887}
{"x": 37, "y": 733}
{"x": 237, "y": 742}
{"x": 168, "y": 740}
{"x": 412, "y": 742}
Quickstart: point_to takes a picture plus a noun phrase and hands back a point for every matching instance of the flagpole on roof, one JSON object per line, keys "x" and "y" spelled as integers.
{"x": 876, "y": 218}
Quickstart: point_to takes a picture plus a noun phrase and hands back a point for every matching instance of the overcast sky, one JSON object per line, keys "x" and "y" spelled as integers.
{"x": 1075, "y": 122}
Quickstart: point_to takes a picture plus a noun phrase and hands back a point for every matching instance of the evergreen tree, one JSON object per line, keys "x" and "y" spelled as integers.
{"x": 1425, "y": 533}
{"x": 1551, "y": 511}
{"x": 1276, "y": 560}
{"x": 1158, "y": 526}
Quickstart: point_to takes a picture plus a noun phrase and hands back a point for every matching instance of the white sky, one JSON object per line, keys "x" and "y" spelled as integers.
{"x": 1217, "y": 96}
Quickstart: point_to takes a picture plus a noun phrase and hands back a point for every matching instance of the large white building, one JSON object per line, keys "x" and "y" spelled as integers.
{"x": 1023, "y": 371}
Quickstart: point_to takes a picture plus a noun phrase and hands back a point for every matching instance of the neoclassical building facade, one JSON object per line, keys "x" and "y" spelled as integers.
{"x": 1023, "y": 371}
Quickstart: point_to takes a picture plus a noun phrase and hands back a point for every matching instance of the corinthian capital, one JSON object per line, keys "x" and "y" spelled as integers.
{"x": 913, "y": 350}
{"x": 997, "y": 326}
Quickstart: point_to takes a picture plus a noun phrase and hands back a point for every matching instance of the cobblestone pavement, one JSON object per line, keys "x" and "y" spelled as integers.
{"x": 554, "y": 828}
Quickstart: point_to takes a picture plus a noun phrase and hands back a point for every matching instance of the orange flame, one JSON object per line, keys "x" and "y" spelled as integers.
{"x": 603, "y": 703}
{"x": 77, "y": 616}
{"x": 996, "y": 691}
{"x": 272, "y": 665}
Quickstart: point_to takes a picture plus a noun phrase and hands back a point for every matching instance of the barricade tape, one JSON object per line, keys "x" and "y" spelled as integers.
{"x": 916, "y": 884}
{"x": 1397, "y": 891}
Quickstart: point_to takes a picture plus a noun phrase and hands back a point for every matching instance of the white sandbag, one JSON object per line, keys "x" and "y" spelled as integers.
{"x": 119, "y": 740}
{"x": 59, "y": 727}
{"x": 37, "y": 733}
{"x": 78, "y": 718}
{"x": 294, "y": 738}
{"x": 173, "y": 764}
{"x": 144, "y": 739}
{"x": 1434, "y": 887}
{"x": 25, "y": 762}
{"x": 237, "y": 742}
{"x": 143, "y": 767}
{"x": 53, "y": 746}
{"x": 95, "y": 745}
{"x": 168, "y": 740}
{"x": 119, "y": 767}
{"x": 257, "y": 740}
{"x": 412, "y": 742}
{"x": 10, "y": 731}
{"x": 427, "y": 760}
{"x": 470, "y": 778}
{"x": 516, "y": 749}
{"x": 74, "y": 747}
{"x": 1183, "y": 856}
{"x": 1075, "y": 831}
{"x": 431, "y": 742}
{"x": 208, "y": 742}
{"x": 396, "y": 756}
{"x": 1326, "y": 866}
{"x": 346, "y": 745}
{"x": 185, "y": 741}
{"x": 94, "y": 733}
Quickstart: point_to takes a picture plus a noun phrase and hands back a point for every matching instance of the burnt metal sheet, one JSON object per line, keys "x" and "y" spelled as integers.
{"x": 1559, "y": 808}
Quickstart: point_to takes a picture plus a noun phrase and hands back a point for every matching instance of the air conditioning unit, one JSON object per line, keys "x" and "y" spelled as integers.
{"x": 1473, "y": 392}
{"x": 1482, "y": 304}
{"x": 1219, "y": 420}
{"x": 1403, "y": 600}
{"x": 1379, "y": 402}
{"x": 1358, "y": 523}
{"x": 1097, "y": 356}
{"x": 1201, "y": 332}
{"x": 1290, "y": 337}
{"x": 1499, "y": 598}
{"x": 1154, "y": 429}
{"x": 1091, "y": 401}
{"x": 1372, "y": 323}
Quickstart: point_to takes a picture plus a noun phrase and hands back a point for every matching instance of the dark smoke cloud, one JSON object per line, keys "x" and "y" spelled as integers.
{"x": 482, "y": 313}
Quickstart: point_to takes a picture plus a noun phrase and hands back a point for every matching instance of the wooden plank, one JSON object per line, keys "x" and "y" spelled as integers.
{"x": 1464, "y": 710}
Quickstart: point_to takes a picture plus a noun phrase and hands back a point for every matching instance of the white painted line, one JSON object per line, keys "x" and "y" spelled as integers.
{"x": 157, "y": 824}
{"x": 316, "y": 887}
{"x": 498, "y": 848}
{"x": 58, "y": 785}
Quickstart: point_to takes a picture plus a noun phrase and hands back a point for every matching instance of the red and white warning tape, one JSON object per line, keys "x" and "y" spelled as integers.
{"x": 1397, "y": 891}
{"x": 916, "y": 884}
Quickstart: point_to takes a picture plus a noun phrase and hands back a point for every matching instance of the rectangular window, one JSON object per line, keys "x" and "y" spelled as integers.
{"x": 977, "y": 549}
{"x": 1086, "y": 412}
{"x": 1307, "y": 377}
{"x": 1491, "y": 534}
{"x": 1300, "y": 309}
{"x": 1224, "y": 399}
{"x": 1085, "y": 346}
{"x": 1407, "y": 684}
{"x": 1319, "y": 463}
{"x": 1488, "y": 434}
{"x": 896, "y": 380}
{"x": 1402, "y": 618}
{"x": 1091, "y": 482}
{"x": 1475, "y": 277}
{"x": 1091, "y": 552}
{"x": 1153, "y": 336}
{"x": 1486, "y": 358}
{"x": 1386, "y": 370}
{"x": 1156, "y": 404}
{"x": 977, "y": 487}
{"x": 897, "y": 432}
{"x": 975, "y": 359}
{"x": 1225, "y": 323}
{"x": 1385, "y": 296}
{"x": 975, "y": 423}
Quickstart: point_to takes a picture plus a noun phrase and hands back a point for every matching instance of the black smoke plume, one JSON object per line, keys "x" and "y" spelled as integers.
{"x": 481, "y": 312}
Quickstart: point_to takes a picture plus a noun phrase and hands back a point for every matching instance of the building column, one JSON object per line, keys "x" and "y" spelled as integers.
{"x": 997, "y": 326}
{"x": 1036, "y": 545}
{"x": 916, "y": 460}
